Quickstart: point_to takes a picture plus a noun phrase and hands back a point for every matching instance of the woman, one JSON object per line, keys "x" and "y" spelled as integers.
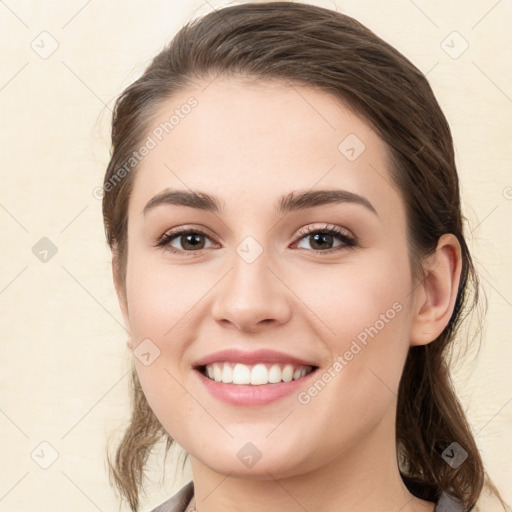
{"x": 283, "y": 209}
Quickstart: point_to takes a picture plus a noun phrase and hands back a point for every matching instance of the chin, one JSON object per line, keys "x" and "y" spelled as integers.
{"x": 258, "y": 460}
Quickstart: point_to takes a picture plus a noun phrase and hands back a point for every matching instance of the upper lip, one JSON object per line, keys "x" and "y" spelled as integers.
{"x": 245, "y": 357}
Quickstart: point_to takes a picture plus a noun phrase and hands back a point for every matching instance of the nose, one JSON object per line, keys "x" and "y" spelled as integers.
{"x": 252, "y": 297}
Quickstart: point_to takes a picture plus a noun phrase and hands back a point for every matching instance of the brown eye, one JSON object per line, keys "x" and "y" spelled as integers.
{"x": 184, "y": 240}
{"x": 323, "y": 240}
{"x": 191, "y": 241}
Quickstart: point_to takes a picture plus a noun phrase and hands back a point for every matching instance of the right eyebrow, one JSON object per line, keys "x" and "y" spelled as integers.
{"x": 199, "y": 200}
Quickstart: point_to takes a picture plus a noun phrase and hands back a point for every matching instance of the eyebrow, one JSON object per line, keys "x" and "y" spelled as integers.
{"x": 293, "y": 201}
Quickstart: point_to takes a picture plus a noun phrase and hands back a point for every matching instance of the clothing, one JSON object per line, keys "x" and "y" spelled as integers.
{"x": 180, "y": 501}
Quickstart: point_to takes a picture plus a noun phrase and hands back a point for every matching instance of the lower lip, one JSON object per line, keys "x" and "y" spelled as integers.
{"x": 243, "y": 394}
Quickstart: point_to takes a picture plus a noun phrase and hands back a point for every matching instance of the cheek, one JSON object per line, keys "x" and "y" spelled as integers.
{"x": 161, "y": 296}
{"x": 363, "y": 320}
{"x": 161, "y": 302}
{"x": 166, "y": 306}
{"x": 359, "y": 300}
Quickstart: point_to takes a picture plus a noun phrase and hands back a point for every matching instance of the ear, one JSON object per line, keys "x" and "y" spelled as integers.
{"x": 434, "y": 298}
{"x": 121, "y": 293}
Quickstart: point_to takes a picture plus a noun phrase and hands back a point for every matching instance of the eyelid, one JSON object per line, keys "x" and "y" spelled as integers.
{"x": 339, "y": 230}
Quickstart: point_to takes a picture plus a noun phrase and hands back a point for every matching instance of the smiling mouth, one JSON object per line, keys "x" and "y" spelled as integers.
{"x": 256, "y": 374}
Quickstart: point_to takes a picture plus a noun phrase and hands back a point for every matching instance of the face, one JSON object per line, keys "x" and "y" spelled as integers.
{"x": 270, "y": 286}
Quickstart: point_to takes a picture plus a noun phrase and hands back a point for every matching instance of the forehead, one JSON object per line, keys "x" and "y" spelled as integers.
{"x": 252, "y": 142}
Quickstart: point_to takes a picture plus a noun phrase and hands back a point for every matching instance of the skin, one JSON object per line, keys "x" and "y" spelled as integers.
{"x": 338, "y": 451}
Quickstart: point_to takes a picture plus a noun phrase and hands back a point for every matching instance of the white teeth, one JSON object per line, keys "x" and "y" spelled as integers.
{"x": 227, "y": 374}
{"x": 256, "y": 375}
{"x": 241, "y": 374}
{"x": 287, "y": 373}
{"x": 259, "y": 374}
{"x": 274, "y": 374}
{"x": 217, "y": 372}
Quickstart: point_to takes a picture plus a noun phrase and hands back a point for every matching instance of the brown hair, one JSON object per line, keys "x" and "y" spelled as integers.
{"x": 306, "y": 45}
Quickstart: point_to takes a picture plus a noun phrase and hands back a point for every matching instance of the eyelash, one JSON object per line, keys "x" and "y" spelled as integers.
{"x": 340, "y": 233}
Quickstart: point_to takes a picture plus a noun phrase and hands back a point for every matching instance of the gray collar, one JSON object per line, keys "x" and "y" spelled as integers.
{"x": 179, "y": 502}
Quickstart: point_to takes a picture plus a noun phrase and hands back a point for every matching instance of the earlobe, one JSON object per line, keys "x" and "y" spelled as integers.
{"x": 434, "y": 300}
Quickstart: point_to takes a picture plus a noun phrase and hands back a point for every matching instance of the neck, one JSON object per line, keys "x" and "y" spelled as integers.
{"x": 365, "y": 478}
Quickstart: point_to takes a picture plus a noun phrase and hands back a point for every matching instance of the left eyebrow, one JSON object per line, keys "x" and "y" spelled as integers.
{"x": 300, "y": 200}
{"x": 293, "y": 201}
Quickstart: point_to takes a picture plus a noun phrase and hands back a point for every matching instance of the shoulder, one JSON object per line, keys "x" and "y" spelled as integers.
{"x": 179, "y": 501}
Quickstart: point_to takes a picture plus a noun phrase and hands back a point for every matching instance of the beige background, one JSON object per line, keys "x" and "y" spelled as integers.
{"x": 64, "y": 361}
